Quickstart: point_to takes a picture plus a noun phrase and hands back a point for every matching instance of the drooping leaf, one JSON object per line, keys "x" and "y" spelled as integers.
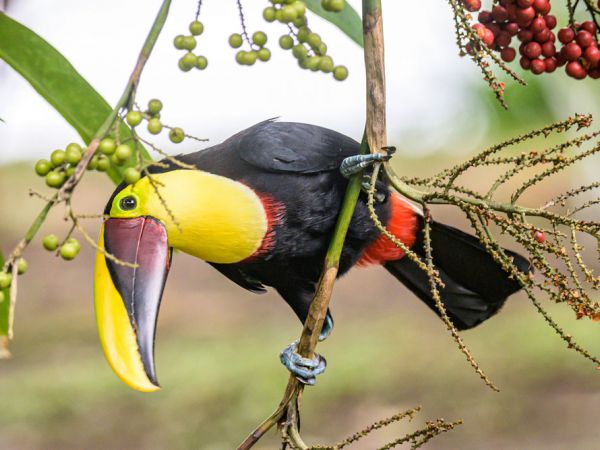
{"x": 55, "y": 79}
{"x": 347, "y": 20}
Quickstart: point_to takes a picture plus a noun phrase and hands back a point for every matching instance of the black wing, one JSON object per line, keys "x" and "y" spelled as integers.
{"x": 277, "y": 147}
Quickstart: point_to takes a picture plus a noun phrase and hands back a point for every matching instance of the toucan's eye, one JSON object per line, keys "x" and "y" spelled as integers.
{"x": 128, "y": 203}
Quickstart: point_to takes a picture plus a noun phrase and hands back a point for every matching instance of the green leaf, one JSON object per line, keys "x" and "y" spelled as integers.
{"x": 4, "y": 306}
{"x": 55, "y": 79}
{"x": 347, "y": 20}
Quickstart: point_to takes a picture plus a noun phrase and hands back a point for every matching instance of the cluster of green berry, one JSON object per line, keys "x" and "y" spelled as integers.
{"x": 61, "y": 165}
{"x": 258, "y": 50}
{"x": 188, "y": 61}
{"x": 155, "y": 126}
{"x": 6, "y": 278}
{"x": 68, "y": 250}
{"x": 307, "y": 47}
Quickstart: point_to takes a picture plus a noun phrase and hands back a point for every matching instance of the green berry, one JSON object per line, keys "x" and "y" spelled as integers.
{"x": 22, "y": 266}
{"x": 176, "y": 135}
{"x": 116, "y": 161}
{"x": 259, "y": 38}
{"x": 107, "y": 146}
{"x": 286, "y": 42}
{"x": 239, "y": 56}
{"x": 300, "y": 21}
{"x": 68, "y": 251}
{"x": 322, "y": 49}
{"x": 154, "y": 106}
{"x": 235, "y": 40}
{"x": 178, "y": 42}
{"x": 50, "y": 242}
{"x": 312, "y": 63}
{"x": 42, "y": 167}
{"x": 340, "y": 73}
{"x": 183, "y": 65}
{"x": 70, "y": 171}
{"x": 299, "y": 51}
{"x": 5, "y": 280}
{"x": 134, "y": 118}
{"x": 189, "y": 42}
{"x": 269, "y": 14}
{"x": 303, "y": 34}
{"x": 250, "y": 58}
{"x": 73, "y": 154}
{"x": 55, "y": 179}
{"x": 288, "y": 13}
{"x": 264, "y": 54}
{"x": 299, "y": 7}
{"x": 103, "y": 163}
{"x": 196, "y": 28}
{"x": 189, "y": 59}
{"x": 93, "y": 164}
{"x": 57, "y": 158}
{"x": 124, "y": 151}
{"x": 131, "y": 175}
{"x": 154, "y": 126}
{"x": 333, "y": 5}
{"x": 73, "y": 146}
{"x": 75, "y": 243}
{"x": 201, "y": 62}
{"x": 326, "y": 64}
{"x": 314, "y": 40}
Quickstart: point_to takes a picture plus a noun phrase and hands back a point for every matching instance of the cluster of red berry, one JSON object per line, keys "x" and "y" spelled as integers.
{"x": 531, "y": 22}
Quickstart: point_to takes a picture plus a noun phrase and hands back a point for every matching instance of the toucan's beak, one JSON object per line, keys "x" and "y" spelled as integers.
{"x": 127, "y": 297}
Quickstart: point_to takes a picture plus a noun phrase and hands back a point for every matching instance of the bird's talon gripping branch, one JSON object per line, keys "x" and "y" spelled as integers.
{"x": 327, "y": 327}
{"x": 305, "y": 369}
{"x": 354, "y": 164}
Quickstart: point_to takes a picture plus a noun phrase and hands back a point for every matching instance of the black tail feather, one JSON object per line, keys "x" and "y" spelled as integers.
{"x": 476, "y": 286}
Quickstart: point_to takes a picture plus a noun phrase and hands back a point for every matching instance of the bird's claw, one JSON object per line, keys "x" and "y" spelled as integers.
{"x": 305, "y": 369}
{"x": 354, "y": 164}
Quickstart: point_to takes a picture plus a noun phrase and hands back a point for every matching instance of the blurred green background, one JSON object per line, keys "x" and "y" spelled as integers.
{"x": 217, "y": 348}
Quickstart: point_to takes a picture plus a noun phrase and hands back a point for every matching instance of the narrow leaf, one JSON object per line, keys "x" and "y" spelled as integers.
{"x": 347, "y": 20}
{"x": 55, "y": 79}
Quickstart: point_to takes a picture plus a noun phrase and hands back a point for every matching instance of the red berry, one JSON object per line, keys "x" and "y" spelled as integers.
{"x": 572, "y": 51}
{"x": 566, "y": 35}
{"x": 538, "y": 24}
{"x": 592, "y": 55}
{"x": 499, "y": 14}
{"x": 542, "y": 6}
{"x": 472, "y": 5}
{"x": 512, "y": 28}
{"x": 561, "y": 59}
{"x": 594, "y": 73}
{"x": 508, "y": 54}
{"x": 538, "y": 66}
{"x": 548, "y": 49}
{"x": 584, "y": 38}
{"x": 485, "y": 17}
{"x": 589, "y": 26}
{"x": 525, "y": 35}
{"x": 576, "y": 70}
{"x": 539, "y": 236}
{"x": 551, "y": 64}
{"x": 524, "y": 3}
{"x": 494, "y": 28}
{"x": 525, "y": 62}
{"x": 550, "y": 21}
{"x": 532, "y": 50}
{"x": 543, "y": 36}
{"x": 524, "y": 16}
{"x": 503, "y": 39}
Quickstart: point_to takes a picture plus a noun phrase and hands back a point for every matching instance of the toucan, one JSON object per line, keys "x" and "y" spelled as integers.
{"x": 261, "y": 208}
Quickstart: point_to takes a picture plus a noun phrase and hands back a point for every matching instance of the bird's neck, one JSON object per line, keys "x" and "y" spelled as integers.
{"x": 211, "y": 217}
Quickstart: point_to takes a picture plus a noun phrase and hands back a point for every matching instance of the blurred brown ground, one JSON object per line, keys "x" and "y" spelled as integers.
{"x": 217, "y": 359}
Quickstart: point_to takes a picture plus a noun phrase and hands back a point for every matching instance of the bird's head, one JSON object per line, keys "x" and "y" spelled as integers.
{"x": 208, "y": 216}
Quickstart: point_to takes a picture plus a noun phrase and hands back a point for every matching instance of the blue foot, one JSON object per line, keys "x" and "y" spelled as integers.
{"x": 327, "y": 327}
{"x": 354, "y": 164}
{"x": 304, "y": 369}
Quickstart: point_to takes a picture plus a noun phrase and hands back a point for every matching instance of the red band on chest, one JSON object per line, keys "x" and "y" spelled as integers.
{"x": 274, "y": 211}
{"x": 402, "y": 224}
